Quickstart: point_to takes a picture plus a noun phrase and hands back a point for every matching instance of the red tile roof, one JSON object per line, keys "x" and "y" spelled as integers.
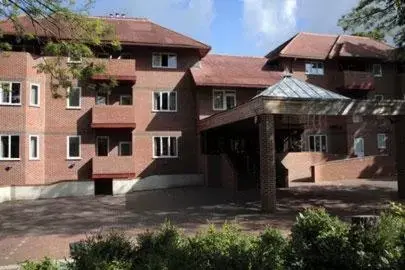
{"x": 234, "y": 71}
{"x": 133, "y": 31}
{"x": 323, "y": 46}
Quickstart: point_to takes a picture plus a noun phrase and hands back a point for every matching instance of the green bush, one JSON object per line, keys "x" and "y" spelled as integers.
{"x": 102, "y": 251}
{"x": 46, "y": 264}
{"x": 318, "y": 241}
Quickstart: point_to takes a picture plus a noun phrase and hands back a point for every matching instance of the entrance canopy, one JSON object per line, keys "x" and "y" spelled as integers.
{"x": 291, "y": 96}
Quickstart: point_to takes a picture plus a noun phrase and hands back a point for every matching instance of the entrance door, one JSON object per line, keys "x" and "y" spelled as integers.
{"x": 359, "y": 147}
{"x": 102, "y": 146}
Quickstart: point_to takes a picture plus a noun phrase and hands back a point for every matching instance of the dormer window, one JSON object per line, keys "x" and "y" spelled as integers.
{"x": 164, "y": 60}
{"x": 314, "y": 68}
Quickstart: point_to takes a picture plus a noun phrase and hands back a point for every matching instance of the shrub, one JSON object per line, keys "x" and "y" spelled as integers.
{"x": 319, "y": 241}
{"x": 46, "y": 264}
{"x": 101, "y": 251}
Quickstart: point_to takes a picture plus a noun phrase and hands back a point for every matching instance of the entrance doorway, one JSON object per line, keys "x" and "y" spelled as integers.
{"x": 102, "y": 146}
{"x": 103, "y": 187}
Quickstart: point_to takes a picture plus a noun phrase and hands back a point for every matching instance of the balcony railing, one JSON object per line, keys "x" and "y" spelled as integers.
{"x": 104, "y": 116}
{"x": 358, "y": 80}
{"x": 115, "y": 167}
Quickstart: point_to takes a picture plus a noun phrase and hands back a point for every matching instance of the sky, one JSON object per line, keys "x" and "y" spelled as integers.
{"x": 235, "y": 27}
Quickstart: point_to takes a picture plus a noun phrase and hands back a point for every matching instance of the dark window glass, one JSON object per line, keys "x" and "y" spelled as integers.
{"x": 15, "y": 146}
{"x": 165, "y": 101}
{"x": 165, "y": 146}
{"x": 74, "y": 147}
{"x": 165, "y": 60}
{"x": 4, "y": 146}
{"x": 157, "y": 146}
{"x": 173, "y": 146}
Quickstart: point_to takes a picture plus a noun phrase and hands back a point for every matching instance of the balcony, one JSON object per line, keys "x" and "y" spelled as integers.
{"x": 104, "y": 116}
{"x": 118, "y": 69}
{"x": 359, "y": 80}
{"x": 116, "y": 167}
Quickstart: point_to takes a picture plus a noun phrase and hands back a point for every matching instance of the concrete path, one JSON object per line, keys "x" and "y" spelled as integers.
{"x": 34, "y": 229}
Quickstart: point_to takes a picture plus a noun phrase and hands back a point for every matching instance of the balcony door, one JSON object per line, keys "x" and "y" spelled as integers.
{"x": 102, "y": 145}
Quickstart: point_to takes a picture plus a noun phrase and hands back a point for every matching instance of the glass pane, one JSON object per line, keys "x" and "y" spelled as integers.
{"x": 15, "y": 93}
{"x": 126, "y": 100}
{"x": 156, "y": 101}
{"x": 172, "y": 101}
{"x": 157, "y": 146}
{"x": 74, "y": 97}
{"x": 156, "y": 60}
{"x": 218, "y": 100}
{"x": 172, "y": 61}
{"x": 34, "y": 147}
{"x": 4, "y": 147}
{"x": 230, "y": 101}
{"x": 125, "y": 149}
{"x": 317, "y": 143}
{"x": 312, "y": 143}
{"x": 15, "y": 146}
{"x": 165, "y": 101}
{"x": 165, "y": 146}
{"x": 173, "y": 146}
{"x": 74, "y": 146}
{"x": 323, "y": 143}
{"x": 5, "y": 89}
{"x": 165, "y": 60}
{"x": 308, "y": 68}
{"x": 101, "y": 99}
{"x": 34, "y": 94}
{"x": 102, "y": 146}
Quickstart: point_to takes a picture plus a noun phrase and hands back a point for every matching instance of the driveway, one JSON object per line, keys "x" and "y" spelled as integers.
{"x": 34, "y": 229}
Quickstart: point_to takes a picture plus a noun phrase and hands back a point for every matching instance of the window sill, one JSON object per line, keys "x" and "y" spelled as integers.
{"x": 34, "y": 159}
{"x": 11, "y": 104}
{"x": 165, "y": 157}
{"x": 35, "y": 106}
{"x": 157, "y": 111}
{"x": 310, "y": 74}
{"x": 73, "y": 158}
{"x": 73, "y": 108}
{"x": 156, "y": 67}
{"x": 10, "y": 159}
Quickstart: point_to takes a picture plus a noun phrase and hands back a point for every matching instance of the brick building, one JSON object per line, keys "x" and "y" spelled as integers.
{"x": 181, "y": 116}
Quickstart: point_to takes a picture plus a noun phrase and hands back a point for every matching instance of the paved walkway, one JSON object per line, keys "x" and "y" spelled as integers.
{"x": 34, "y": 229}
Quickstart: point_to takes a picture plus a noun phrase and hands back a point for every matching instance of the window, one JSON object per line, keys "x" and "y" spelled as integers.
{"x": 381, "y": 141}
{"x": 377, "y": 70}
{"x": 125, "y": 149}
{"x": 125, "y": 100}
{"x": 10, "y": 93}
{"x": 165, "y": 101}
{"x": 223, "y": 100}
{"x": 73, "y": 100}
{"x": 9, "y": 147}
{"x": 164, "y": 60}
{"x": 34, "y": 95}
{"x": 314, "y": 68}
{"x": 34, "y": 147}
{"x": 101, "y": 99}
{"x": 73, "y": 147}
{"x": 164, "y": 147}
{"x": 74, "y": 58}
{"x": 318, "y": 143}
{"x": 358, "y": 147}
{"x": 378, "y": 97}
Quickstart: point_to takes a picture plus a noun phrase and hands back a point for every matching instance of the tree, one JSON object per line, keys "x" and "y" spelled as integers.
{"x": 61, "y": 28}
{"x": 374, "y": 34}
{"x": 377, "y": 19}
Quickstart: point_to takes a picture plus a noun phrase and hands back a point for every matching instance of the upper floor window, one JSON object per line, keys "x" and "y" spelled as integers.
{"x": 314, "y": 68}
{"x": 9, "y": 147}
{"x": 164, "y": 60}
{"x": 125, "y": 149}
{"x": 34, "y": 147}
{"x": 73, "y": 147}
{"x": 165, "y": 147}
{"x": 381, "y": 141}
{"x": 318, "y": 143}
{"x": 223, "y": 100}
{"x": 10, "y": 93}
{"x": 377, "y": 70}
{"x": 73, "y": 100}
{"x": 165, "y": 101}
{"x": 34, "y": 95}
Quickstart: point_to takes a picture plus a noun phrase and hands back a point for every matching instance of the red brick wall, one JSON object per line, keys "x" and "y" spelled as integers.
{"x": 368, "y": 167}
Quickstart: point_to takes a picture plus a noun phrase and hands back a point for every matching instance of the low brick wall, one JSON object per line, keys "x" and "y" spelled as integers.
{"x": 299, "y": 164}
{"x": 354, "y": 168}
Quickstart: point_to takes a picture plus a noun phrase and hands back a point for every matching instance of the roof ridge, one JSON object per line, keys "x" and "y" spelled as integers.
{"x": 138, "y": 19}
{"x": 240, "y": 56}
{"x": 319, "y": 34}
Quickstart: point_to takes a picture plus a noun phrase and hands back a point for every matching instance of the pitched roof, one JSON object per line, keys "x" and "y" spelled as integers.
{"x": 292, "y": 88}
{"x": 324, "y": 46}
{"x": 133, "y": 31}
{"x": 234, "y": 71}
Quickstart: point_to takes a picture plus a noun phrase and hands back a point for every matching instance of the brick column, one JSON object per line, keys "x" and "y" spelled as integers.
{"x": 267, "y": 163}
{"x": 400, "y": 154}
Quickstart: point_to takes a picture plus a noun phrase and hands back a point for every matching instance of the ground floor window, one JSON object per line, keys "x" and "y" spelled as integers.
{"x": 359, "y": 147}
{"x": 73, "y": 147}
{"x": 125, "y": 149}
{"x": 382, "y": 141}
{"x": 34, "y": 147}
{"x": 165, "y": 147}
{"x": 9, "y": 147}
{"x": 318, "y": 143}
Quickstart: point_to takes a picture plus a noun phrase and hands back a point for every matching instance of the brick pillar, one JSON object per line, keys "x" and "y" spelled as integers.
{"x": 267, "y": 163}
{"x": 400, "y": 154}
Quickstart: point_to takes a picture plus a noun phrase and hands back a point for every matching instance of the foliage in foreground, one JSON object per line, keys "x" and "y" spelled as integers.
{"x": 317, "y": 241}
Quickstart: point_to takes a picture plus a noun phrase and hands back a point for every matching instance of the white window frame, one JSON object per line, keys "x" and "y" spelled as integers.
{"x": 160, "y": 55}
{"x": 70, "y": 61}
{"x": 311, "y": 71}
{"x": 108, "y": 144}
{"x": 29, "y": 147}
{"x": 380, "y": 69}
{"x": 11, "y": 87}
{"x": 127, "y": 96}
{"x": 124, "y": 142}
{"x": 68, "y": 147}
{"x": 39, "y": 94}
{"x": 9, "y": 147}
{"x": 318, "y": 135}
{"x": 161, "y": 148}
{"x": 80, "y": 99}
{"x": 161, "y": 101}
{"x": 385, "y": 137}
{"x": 226, "y": 93}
